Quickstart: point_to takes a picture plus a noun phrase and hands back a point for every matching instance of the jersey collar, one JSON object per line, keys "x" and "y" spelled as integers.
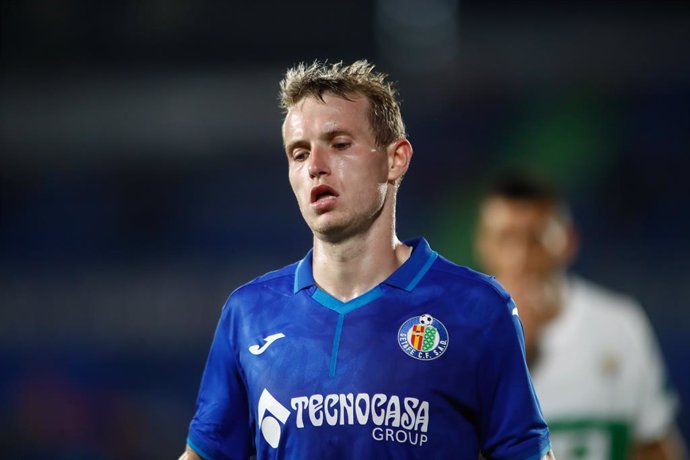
{"x": 407, "y": 276}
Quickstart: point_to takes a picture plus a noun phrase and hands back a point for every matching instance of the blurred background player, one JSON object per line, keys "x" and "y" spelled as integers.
{"x": 593, "y": 357}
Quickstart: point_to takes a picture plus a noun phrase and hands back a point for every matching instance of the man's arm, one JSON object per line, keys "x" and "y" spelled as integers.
{"x": 189, "y": 454}
{"x": 221, "y": 427}
{"x": 509, "y": 413}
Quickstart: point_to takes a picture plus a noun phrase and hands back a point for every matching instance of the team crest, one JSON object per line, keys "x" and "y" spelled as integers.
{"x": 423, "y": 337}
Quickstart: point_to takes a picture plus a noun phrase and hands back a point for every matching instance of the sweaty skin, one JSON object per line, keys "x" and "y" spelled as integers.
{"x": 345, "y": 187}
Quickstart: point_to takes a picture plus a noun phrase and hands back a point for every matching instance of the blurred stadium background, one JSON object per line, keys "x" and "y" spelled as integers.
{"x": 142, "y": 176}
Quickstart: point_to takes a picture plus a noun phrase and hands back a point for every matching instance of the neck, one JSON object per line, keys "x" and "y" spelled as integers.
{"x": 348, "y": 268}
{"x": 558, "y": 286}
{"x": 554, "y": 296}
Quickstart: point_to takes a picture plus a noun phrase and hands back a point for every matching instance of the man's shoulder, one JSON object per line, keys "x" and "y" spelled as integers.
{"x": 470, "y": 287}
{"x": 463, "y": 277}
{"x": 280, "y": 281}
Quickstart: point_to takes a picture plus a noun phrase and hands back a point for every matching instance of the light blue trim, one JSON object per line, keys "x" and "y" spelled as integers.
{"x": 330, "y": 302}
{"x": 541, "y": 454}
{"x": 418, "y": 277}
{"x": 545, "y": 450}
{"x": 343, "y": 308}
{"x": 336, "y": 344}
{"x": 296, "y": 284}
{"x": 203, "y": 454}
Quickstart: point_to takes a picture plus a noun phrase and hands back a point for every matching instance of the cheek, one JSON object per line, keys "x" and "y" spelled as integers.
{"x": 369, "y": 191}
{"x": 494, "y": 257}
{"x": 296, "y": 184}
{"x": 382, "y": 190}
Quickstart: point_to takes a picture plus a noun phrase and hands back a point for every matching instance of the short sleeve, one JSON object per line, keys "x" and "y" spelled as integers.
{"x": 511, "y": 421}
{"x": 220, "y": 428}
{"x": 657, "y": 403}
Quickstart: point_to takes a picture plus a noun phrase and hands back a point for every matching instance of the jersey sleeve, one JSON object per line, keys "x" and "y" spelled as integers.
{"x": 220, "y": 428}
{"x": 511, "y": 422}
{"x": 657, "y": 403}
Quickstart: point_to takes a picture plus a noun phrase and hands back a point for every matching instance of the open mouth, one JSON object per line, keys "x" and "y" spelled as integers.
{"x": 321, "y": 192}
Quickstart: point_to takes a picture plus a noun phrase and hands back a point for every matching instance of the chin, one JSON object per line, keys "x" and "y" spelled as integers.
{"x": 332, "y": 232}
{"x": 335, "y": 226}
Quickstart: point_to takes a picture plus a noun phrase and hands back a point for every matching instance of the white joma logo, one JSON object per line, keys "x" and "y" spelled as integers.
{"x": 257, "y": 350}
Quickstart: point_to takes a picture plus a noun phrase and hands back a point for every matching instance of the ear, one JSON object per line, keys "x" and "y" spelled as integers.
{"x": 399, "y": 156}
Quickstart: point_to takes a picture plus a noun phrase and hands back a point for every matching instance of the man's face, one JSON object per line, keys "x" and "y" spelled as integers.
{"x": 338, "y": 175}
{"x": 526, "y": 246}
{"x": 519, "y": 239}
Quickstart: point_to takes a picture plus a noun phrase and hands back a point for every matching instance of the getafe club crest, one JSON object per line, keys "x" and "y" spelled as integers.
{"x": 423, "y": 337}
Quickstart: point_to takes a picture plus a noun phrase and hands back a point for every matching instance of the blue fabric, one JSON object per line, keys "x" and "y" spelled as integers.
{"x": 201, "y": 452}
{"x": 428, "y": 364}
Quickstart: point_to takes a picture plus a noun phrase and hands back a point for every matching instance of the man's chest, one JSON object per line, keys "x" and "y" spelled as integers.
{"x": 386, "y": 373}
{"x": 383, "y": 345}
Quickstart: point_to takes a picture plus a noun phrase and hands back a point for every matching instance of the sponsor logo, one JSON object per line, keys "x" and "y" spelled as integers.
{"x": 391, "y": 418}
{"x": 270, "y": 424}
{"x": 423, "y": 337}
{"x": 256, "y": 350}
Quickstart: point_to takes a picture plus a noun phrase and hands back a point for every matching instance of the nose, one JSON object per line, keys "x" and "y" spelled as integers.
{"x": 318, "y": 163}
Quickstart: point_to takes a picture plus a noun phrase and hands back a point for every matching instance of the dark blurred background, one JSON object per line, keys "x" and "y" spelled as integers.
{"x": 142, "y": 176}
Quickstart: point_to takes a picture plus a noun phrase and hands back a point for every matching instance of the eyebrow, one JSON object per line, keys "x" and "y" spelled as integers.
{"x": 330, "y": 134}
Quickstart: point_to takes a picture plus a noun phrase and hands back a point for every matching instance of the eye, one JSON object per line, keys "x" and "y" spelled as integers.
{"x": 300, "y": 155}
{"x": 342, "y": 145}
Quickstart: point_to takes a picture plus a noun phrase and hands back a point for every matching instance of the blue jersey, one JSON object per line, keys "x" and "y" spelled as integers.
{"x": 428, "y": 364}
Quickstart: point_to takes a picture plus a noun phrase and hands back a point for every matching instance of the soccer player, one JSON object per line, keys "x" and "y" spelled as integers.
{"x": 591, "y": 352}
{"x": 368, "y": 347}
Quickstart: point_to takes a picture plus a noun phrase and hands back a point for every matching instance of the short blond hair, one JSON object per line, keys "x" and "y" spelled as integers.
{"x": 315, "y": 79}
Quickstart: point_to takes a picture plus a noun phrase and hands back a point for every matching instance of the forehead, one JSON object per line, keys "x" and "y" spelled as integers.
{"x": 333, "y": 112}
{"x": 499, "y": 213}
